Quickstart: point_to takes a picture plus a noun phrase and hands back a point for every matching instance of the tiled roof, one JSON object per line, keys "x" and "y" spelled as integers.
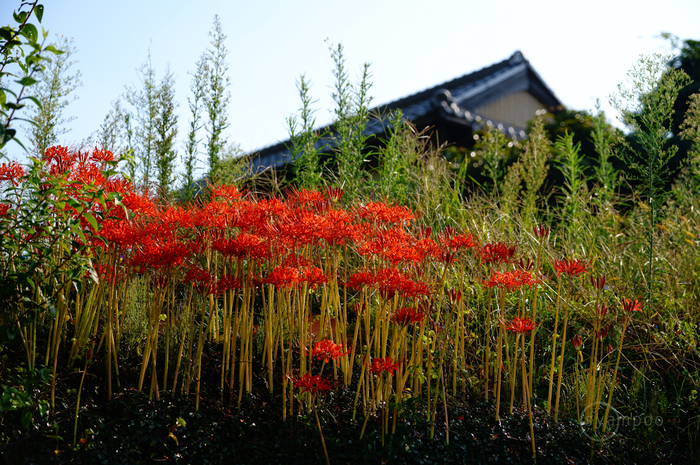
{"x": 454, "y": 100}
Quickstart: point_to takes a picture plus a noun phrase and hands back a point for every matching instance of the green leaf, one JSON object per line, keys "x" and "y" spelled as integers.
{"x": 35, "y": 100}
{"x": 29, "y": 31}
{"x": 14, "y": 106}
{"x": 25, "y": 418}
{"x": 27, "y": 81}
{"x": 6, "y": 135}
{"x": 52, "y": 49}
{"x": 39, "y": 11}
{"x": 91, "y": 219}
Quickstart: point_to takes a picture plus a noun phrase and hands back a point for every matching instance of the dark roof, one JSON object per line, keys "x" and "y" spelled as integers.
{"x": 454, "y": 101}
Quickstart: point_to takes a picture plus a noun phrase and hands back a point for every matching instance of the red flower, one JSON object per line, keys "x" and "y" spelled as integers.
{"x": 631, "y": 305}
{"x": 384, "y": 214}
{"x": 389, "y": 281}
{"x": 11, "y": 172}
{"x": 4, "y": 209}
{"x": 334, "y": 194}
{"x": 327, "y": 350}
{"x": 202, "y": 280}
{"x": 360, "y": 280}
{"x": 312, "y": 275}
{"x": 313, "y": 384}
{"x": 602, "y": 310}
{"x": 226, "y": 283}
{"x": 406, "y": 315}
{"x": 540, "y": 230}
{"x": 598, "y": 283}
{"x": 511, "y": 280}
{"x": 226, "y": 193}
{"x": 455, "y": 295}
{"x": 570, "y": 267}
{"x": 520, "y": 325}
{"x": 462, "y": 241}
{"x": 383, "y": 365}
{"x": 496, "y": 253}
{"x": 525, "y": 264}
{"x": 283, "y": 277}
{"x": 577, "y": 342}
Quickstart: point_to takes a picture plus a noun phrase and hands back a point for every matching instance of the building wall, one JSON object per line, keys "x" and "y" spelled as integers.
{"x": 517, "y": 109}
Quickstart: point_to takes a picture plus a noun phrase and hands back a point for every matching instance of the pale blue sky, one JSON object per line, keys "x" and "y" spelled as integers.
{"x": 582, "y": 50}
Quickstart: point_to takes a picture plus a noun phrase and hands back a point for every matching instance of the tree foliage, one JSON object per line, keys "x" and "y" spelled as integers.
{"x": 194, "y": 103}
{"x": 217, "y": 96}
{"x": 22, "y": 58}
{"x": 145, "y": 103}
{"x": 165, "y": 133}
{"x": 54, "y": 91}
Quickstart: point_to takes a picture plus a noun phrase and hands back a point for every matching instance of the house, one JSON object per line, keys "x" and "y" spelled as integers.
{"x": 505, "y": 95}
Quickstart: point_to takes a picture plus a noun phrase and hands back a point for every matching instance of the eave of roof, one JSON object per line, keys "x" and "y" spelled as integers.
{"x": 455, "y": 101}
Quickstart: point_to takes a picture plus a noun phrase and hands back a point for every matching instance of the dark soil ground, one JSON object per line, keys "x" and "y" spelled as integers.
{"x": 131, "y": 429}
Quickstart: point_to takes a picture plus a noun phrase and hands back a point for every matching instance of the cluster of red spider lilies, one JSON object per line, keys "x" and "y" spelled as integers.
{"x": 318, "y": 291}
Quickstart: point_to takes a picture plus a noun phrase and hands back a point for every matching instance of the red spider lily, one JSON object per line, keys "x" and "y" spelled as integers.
{"x": 541, "y": 230}
{"x": 425, "y": 232}
{"x": 340, "y": 227}
{"x": 577, "y": 342}
{"x": 174, "y": 218}
{"x": 312, "y": 275}
{"x": 463, "y": 241}
{"x": 300, "y": 227}
{"x": 361, "y": 279}
{"x": 334, "y": 194}
{"x": 603, "y": 332}
{"x": 305, "y": 199}
{"x": 572, "y": 267}
{"x": 326, "y": 350}
{"x": 283, "y": 277}
{"x": 427, "y": 248}
{"x": 58, "y": 160}
{"x": 525, "y": 264}
{"x": 245, "y": 245}
{"x": 227, "y": 283}
{"x": 137, "y": 204}
{"x": 631, "y": 305}
{"x": 384, "y": 214}
{"x": 203, "y": 282}
{"x": 520, "y": 325}
{"x": 511, "y": 280}
{"x": 447, "y": 257}
{"x": 496, "y": 253}
{"x": 598, "y": 283}
{"x": 383, "y": 365}
{"x": 313, "y": 384}
{"x": 226, "y": 193}
{"x": 455, "y": 295}
{"x": 11, "y": 172}
{"x": 296, "y": 260}
{"x": 407, "y": 315}
{"x": 160, "y": 254}
{"x": 120, "y": 233}
{"x": 388, "y": 281}
{"x": 602, "y": 310}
